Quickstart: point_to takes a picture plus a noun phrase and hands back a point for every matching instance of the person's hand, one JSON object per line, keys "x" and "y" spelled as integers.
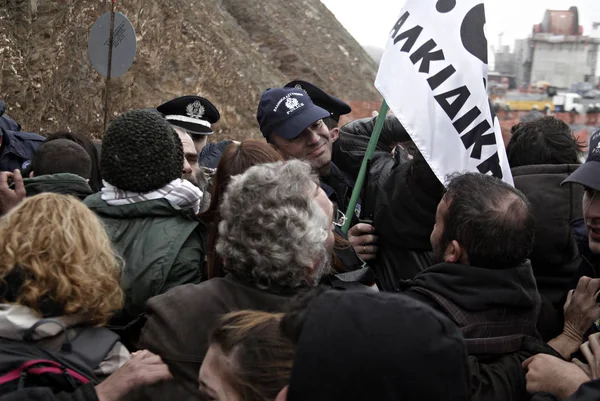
{"x": 9, "y": 198}
{"x": 581, "y": 308}
{"x": 591, "y": 351}
{"x": 548, "y": 374}
{"x": 363, "y": 241}
{"x": 143, "y": 369}
{"x": 374, "y": 113}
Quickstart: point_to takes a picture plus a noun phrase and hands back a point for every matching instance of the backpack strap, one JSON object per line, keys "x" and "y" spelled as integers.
{"x": 92, "y": 344}
{"x": 28, "y": 335}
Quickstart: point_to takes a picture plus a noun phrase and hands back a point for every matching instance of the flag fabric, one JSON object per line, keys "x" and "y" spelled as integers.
{"x": 433, "y": 75}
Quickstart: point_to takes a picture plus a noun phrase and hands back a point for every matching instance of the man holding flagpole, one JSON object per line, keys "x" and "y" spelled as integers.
{"x": 293, "y": 124}
{"x": 433, "y": 76}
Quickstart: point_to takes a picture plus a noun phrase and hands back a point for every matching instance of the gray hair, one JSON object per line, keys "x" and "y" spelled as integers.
{"x": 272, "y": 228}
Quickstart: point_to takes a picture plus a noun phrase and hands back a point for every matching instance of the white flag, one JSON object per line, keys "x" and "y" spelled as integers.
{"x": 433, "y": 75}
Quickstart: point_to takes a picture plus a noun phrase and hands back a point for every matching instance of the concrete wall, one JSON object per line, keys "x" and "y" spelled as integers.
{"x": 561, "y": 64}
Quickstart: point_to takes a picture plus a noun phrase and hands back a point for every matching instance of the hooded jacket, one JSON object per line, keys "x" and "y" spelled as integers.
{"x": 497, "y": 311}
{"x": 363, "y": 346}
{"x": 66, "y": 184}
{"x": 162, "y": 248}
{"x": 555, "y": 257}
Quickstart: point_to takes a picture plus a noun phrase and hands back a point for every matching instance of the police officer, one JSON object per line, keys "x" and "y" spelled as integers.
{"x": 194, "y": 114}
{"x": 333, "y": 105}
{"x": 291, "y": 121}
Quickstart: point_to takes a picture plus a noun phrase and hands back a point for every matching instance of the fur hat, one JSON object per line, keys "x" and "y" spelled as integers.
{"x": 140, "y": 152}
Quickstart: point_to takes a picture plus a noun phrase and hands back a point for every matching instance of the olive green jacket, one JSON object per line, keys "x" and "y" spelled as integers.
{"x": 161, "y": 245}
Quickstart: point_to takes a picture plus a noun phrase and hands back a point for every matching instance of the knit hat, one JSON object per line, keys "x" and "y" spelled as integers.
{"x": 140, "y": 152}
{"x": 362, "y": 346}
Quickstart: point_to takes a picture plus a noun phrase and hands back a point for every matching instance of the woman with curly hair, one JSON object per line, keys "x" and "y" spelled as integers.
{"x": 57, "y": 263}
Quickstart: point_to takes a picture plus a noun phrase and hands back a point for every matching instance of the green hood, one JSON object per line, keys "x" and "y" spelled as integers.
{"x": 67, "y": 184}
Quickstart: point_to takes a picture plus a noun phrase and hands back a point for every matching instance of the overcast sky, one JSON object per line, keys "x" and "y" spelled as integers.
{"x": 370, "y": 21}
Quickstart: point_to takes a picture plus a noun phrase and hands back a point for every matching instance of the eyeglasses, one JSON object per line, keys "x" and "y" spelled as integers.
{"x": 340, "y": 219}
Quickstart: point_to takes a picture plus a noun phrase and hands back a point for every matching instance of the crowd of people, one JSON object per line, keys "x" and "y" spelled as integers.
{"x": 160, "y": 265}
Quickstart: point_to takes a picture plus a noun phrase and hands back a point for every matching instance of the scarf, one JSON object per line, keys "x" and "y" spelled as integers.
{"x": 178, "y": 192}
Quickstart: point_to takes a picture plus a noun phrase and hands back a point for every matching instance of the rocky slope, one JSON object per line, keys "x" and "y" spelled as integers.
{"x": 226, "y": 50}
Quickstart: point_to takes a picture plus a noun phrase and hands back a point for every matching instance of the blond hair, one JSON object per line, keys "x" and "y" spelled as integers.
{"x": 61, "y": 252}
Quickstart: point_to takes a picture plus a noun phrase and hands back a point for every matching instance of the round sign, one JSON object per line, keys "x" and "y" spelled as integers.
{"x": 124, "y": 45}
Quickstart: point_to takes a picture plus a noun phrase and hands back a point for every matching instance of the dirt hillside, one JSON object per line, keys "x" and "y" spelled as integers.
{"x": 226, "y": 50}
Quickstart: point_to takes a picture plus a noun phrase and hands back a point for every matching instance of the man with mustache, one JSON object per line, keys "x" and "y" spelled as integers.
{"x": 194, "y": 114}
{"x": 191, "y": 169}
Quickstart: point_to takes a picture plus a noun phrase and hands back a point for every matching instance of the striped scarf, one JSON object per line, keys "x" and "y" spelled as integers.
{"x": 179, "y": 192}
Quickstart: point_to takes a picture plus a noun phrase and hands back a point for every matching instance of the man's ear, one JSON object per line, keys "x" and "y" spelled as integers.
{"x": 455, "y": 253}
{"x": 31, "y": 174}
{"x": 334, "y": 133}
{"x": 282, "y": 396}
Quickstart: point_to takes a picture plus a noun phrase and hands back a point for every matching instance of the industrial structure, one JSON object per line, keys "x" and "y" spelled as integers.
{"x": 556, "y": 54}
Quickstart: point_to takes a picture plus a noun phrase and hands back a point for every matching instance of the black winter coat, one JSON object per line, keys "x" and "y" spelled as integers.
{"x": 555, "y": 256}
{"x": 404, "y": 218}
{"x": 349, "y": 151}
{"x": 510, "y": 291}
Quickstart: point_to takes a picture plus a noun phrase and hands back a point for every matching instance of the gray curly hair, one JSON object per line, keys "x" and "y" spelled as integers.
{"x": 272, "y": 228}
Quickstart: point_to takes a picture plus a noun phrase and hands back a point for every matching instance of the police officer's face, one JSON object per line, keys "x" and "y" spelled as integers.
{"x": 191, "y": 169}
{"x": 591, "y": 213}
{"x": 312, "y": 145}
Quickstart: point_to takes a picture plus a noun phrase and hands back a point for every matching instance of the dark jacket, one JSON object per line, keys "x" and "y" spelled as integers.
{"x": 338, "y": 187}
{"x": 351, "y": 146}
{"x": 6, "y": 122}
{"x": 496, "y": 311}
{"x": 66, "y": 184}
{"x": 589, "y": 391}
{"x": 555, "y": 257}
{"x": 17, "y": 149}
{"x": 180, "y": 321}
{"x": 161, "y": 246}
{"x": 404, "y": 218}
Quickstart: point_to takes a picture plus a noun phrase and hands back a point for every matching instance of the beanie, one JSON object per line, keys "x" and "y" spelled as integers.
{"x": 140, "y": 152}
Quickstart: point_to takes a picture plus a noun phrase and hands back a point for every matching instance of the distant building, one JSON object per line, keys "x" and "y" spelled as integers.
{"x": 505, "y": 62}
{"x": 523, "y": 61}
{"x": 557, "y": 52}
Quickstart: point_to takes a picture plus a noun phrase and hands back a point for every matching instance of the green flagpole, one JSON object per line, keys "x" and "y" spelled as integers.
{"x": 363, "y": 168}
